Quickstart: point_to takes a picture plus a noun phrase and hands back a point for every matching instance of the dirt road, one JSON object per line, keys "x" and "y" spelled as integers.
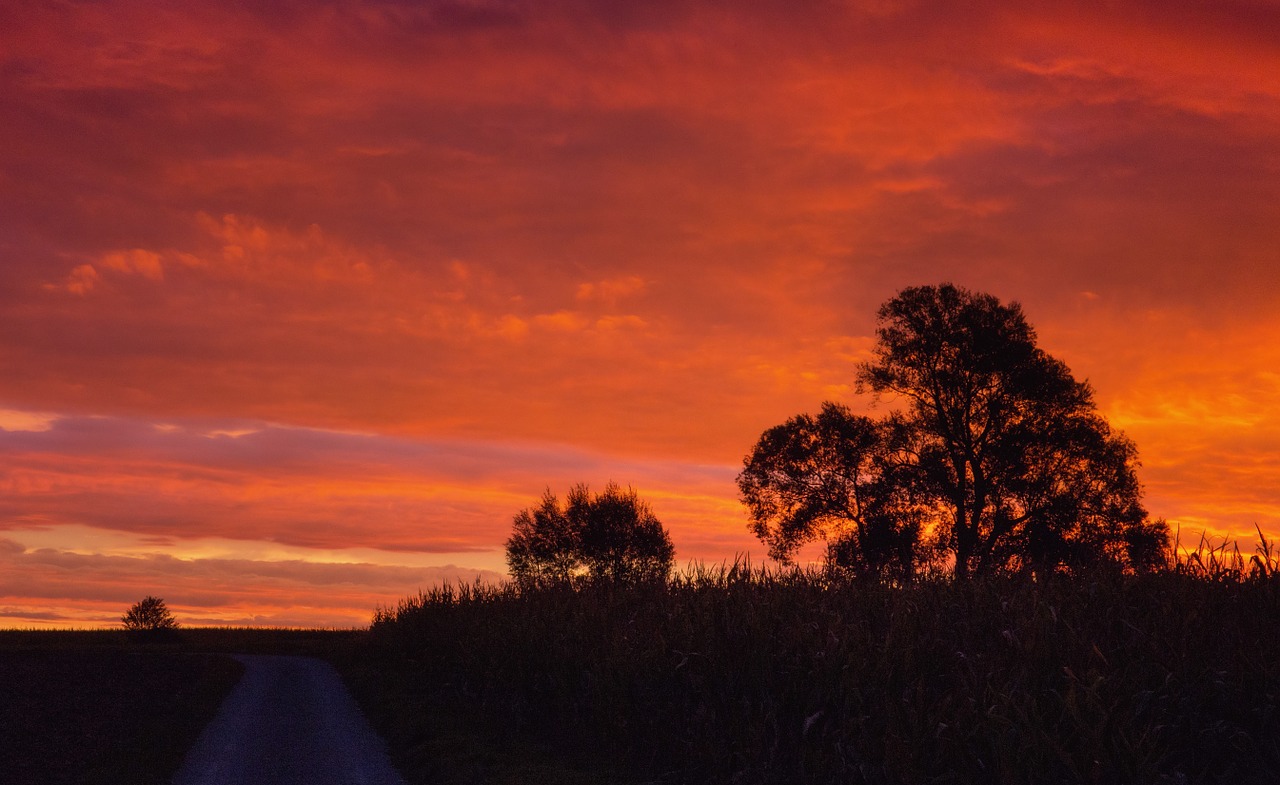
{"x": 289, "y": 720}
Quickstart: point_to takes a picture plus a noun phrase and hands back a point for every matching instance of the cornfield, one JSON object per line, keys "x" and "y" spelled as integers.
{"x": 739, "y": 674}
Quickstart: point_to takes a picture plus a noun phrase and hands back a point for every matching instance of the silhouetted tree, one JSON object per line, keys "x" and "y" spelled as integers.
{"x": 1149, "y": 546}
{"x": 149, "y": 616}
{"x": 840, "y": 477}
{"x": 545, "y": 545}
{"x": 998, "y": 452}
{"x": 613, "y": 535}
{"x": 622, "y": 539}
{"x": 1010, "y": 444}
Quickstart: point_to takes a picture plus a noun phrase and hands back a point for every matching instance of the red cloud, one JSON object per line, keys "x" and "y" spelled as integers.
{"x": 624, "y": 236}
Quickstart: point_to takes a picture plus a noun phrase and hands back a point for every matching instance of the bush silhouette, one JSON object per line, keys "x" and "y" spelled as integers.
{"x": 611, "y": 536}
{"x": 149, "y": 618}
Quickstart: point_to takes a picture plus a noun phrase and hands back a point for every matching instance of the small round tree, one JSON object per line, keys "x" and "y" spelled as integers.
{"x": 612, "y": 536}
{"x": 149, "y": 617}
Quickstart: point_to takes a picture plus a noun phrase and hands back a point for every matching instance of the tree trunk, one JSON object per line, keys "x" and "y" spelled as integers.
{"x": 964, "y": 543}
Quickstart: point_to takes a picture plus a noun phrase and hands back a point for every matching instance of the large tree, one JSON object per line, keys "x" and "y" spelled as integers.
{"x": 995, "y": 444}
{"x": 840, "y": 477}
{"x": 613, "y": 535}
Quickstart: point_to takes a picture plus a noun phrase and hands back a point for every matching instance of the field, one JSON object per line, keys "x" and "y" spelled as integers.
{"x": 732, "y": 675}
{"x": 743, "y": 676}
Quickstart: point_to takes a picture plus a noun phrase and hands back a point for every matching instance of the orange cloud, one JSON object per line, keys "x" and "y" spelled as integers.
{"x": 611, "y": 291}
{"x": 137, "y": 261}
{"x": 82, "y": 278}
{"x": 574, "y": 243}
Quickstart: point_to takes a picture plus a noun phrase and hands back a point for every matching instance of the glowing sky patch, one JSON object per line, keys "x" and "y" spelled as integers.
{"x": 355, "y": 284}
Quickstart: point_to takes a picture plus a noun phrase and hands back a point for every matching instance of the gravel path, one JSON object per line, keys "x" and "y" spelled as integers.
{"x": 289, "y": 720}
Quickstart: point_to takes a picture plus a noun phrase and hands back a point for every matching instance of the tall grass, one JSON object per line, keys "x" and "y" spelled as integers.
{"x": 746, "y": 675}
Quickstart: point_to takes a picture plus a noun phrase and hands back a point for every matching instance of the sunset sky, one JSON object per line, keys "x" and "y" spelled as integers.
{"x": 300, "y": 304}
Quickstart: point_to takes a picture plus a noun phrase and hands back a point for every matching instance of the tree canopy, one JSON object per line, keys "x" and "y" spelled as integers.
{"x": 995, "y": 451}
{"x": 148, "y": 615}
{"x": 613, "y": 535}
{"x": 838, "y": 476}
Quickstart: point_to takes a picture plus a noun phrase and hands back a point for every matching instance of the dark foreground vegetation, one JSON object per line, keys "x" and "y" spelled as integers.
{"x": 732, "y": 675}
{"x": 748, "y": 676}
